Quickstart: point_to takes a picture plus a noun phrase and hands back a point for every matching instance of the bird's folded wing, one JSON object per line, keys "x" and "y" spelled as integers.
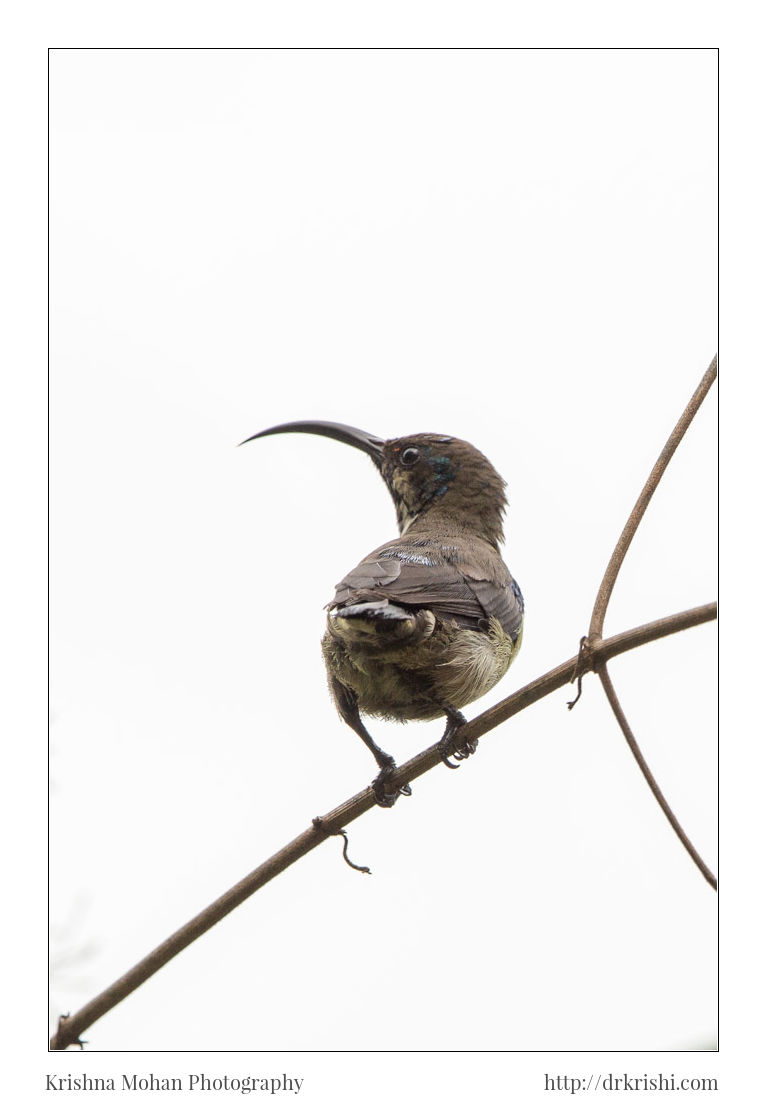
{"x": 504, "y": 602}
{"x": 452, "y": 591}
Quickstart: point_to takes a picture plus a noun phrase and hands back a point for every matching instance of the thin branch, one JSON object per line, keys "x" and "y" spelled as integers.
{"x": 617, "y": 709}
{"x": 70, "y": 1028}
{"x": 601, "y": 651}
{"x": 605, "y": 592}
{"x": 650, "y": 486}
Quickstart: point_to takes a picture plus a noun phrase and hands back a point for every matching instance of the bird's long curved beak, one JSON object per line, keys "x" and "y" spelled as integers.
{"x": 344, "y": 433}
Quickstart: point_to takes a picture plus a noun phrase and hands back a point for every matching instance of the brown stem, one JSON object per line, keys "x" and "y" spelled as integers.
{"x": 70, "y": 1028}
{"x": 600, "y": 651}
{"x": 606, "y": 588}
{"x": 650, "y": 486}
{"x": 617, "y": 709}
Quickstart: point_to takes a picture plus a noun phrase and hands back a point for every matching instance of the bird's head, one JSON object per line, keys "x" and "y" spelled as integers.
{"x": 433, "y": 479}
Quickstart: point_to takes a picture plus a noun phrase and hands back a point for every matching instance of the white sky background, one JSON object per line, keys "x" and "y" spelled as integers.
{"x": 517, "y": 248}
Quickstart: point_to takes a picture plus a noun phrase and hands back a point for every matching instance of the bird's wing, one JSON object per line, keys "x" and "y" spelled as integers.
{"x": 458, "y": 591}
{"x": 500, "y": 600}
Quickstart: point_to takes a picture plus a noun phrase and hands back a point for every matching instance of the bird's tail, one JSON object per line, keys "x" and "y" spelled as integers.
{"x": 380, "y": 624}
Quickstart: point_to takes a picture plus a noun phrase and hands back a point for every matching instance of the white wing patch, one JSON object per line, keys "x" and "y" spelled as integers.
{"x": 408, "y": 557}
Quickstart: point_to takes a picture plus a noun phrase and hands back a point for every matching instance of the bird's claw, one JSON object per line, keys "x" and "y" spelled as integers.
{"x": 386, "y": 798}
{"x": 447, "y": 747}
{"x": 466, "y": 749}
{"x": 461, "y": 753}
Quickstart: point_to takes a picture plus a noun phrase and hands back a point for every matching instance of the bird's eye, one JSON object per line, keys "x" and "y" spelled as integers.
{"x": 410, "y": 456}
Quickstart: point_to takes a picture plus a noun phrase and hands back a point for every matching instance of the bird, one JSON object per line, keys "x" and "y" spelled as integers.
{"x": 431, "y": 620}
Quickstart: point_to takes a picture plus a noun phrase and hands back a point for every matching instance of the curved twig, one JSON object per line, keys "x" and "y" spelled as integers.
{"x": 605, "y": 591}
{"x": 317, "y": 824}
{"x": 617, "y": 709}
{"x": 70, "y": 1028}
{"x": 616, "y": 560}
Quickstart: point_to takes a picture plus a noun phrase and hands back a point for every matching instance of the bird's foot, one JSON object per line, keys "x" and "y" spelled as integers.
{"x": 385, "y": 797}
{"x": 447, "y": 746}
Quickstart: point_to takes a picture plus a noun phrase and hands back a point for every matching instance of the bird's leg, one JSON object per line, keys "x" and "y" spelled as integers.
{"x": 346, "y": 701}
{"x": 455, "y": 720}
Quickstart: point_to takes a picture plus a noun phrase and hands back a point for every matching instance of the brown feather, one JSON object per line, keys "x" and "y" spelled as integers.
{"x": 432, "y": 575}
